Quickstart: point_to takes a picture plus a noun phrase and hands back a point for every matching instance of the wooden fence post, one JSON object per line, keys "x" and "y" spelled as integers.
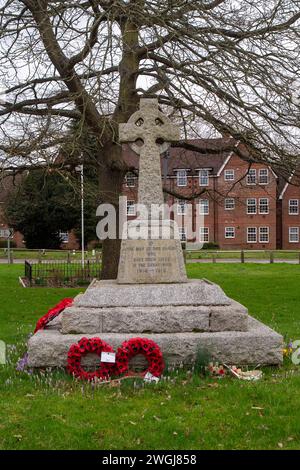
{"x": 242, "y": 256}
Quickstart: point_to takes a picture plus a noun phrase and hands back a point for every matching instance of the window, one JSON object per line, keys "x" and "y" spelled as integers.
{"x": 294, "y": 234}
{"x": 263, "y": 234}
{"x": 204, "y": 234}
{"x": 229, "y": 204}
{"x": 204, "y": 207}
{"x": 181, "y": 178}
{"x": 3, "y": 233}
{"x": 229, "y": 232}
{"x": 251, "y": 177}
{"x": 293, "y": 207}
{"x": 64, "y": 237}
{"x": 203, "y": 177}
{"x": 263, "y": 176}
{"x": 264, "y": 205}
{"x": 182, "y": 234}
{"x": 251, "y": 206}
{"x": 229, "y": 175}
{"x": 130, "y": 180}
{"x": 251, "y": 235}
{"x": 130, "y": 208}
{"x": 181, "y": 207}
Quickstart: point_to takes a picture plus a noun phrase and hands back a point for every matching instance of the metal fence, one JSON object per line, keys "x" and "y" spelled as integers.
{"x": 61, "y": 273}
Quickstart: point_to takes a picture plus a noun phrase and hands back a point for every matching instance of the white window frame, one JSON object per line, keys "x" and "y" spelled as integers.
{"x": 251, "y": 205}
{"x": 296, "y": 232}
{"x": 182, "y": 234}
{"x": 131, "y": 205}
{"x": 254, "y": 233}
{"x": 263, "y": 173}
{"x": 233, "y": 205}
{"x": 229, "y": 175}
{"x": 204, "y": 176}
{"x": 204, "y": 234}
{"x": 181, "y": 207}
{"x": 251, "y": 173}
{"x": 203, "y": 204}
{"x": 265, "y": 205}
{"x": 261, "y": 234}
{"x": 3, "y": 232}
{"x": 64, "y": 236}
{"x": 296, "y": 206}
{"x": 182, "y": 179}
{"x": 229, "y": 232}
{"x": 130, "y": 177}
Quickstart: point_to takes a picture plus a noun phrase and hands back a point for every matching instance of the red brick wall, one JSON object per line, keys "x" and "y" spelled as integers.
{"x": 239, "y": 218}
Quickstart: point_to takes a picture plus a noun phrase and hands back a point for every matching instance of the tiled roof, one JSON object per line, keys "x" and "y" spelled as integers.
{"x": 213, "y": 153}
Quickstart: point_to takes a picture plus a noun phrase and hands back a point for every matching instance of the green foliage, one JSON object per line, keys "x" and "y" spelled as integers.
{"x": 47, "y": 202}
{"x": 210, "y": 246}
{"x": 3, "y": 244}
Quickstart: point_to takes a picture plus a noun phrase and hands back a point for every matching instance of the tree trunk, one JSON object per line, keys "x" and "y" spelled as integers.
{"x": 111, "y": 177}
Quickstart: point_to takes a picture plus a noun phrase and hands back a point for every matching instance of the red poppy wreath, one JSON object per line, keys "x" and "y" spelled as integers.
{"x": 52, "y": 313}
{"x": 148, "y": 348}
{"x": 87, "y": 346}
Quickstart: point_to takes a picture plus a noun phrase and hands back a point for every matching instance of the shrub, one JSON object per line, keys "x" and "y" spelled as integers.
{"x": 210, "y": 246}
{"x": 3, "y": 244}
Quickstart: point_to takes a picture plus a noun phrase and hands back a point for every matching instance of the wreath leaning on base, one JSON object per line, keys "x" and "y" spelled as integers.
{"x": 89, "y": 346}
{"x": 52, "y": 313}
{"x": 148, "y": 348}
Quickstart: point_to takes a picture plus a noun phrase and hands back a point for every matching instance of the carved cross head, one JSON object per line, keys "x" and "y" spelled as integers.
{"x": 148, "y": 127}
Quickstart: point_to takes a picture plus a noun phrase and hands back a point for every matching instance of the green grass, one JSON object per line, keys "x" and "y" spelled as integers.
{"x": 52, "y": 411}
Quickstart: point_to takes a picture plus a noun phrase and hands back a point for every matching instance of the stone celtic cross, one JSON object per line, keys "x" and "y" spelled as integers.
{"x": 150, "y": 128}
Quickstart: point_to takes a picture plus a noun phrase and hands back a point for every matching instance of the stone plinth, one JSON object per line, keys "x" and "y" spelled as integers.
{"x": 181, "y": 318}
{"x": 258, "y": 345}
{"x": 111, "y": 294}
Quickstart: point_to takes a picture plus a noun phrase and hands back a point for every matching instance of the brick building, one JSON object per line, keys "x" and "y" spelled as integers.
{"x": 240, "y": 204}
{"x": 242, "y": 207}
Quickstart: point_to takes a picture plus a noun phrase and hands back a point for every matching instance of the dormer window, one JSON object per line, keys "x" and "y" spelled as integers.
{"x": 203, "y": 177}
{"x": 181, "y": 177}
{"x": 251, "y": 177}
{"x": 263, "y": 176}
{"x": 229, "y": 175}
{"x": 130, "y": 180}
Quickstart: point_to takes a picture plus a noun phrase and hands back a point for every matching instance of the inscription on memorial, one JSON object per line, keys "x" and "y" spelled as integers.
{"x": 149, "y": 261}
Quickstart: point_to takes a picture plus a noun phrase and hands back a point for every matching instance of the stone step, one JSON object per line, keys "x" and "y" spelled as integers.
{"x": 111, "y": 294}
{"x": 165, "y": 319}
{"x": 258, "y": 345}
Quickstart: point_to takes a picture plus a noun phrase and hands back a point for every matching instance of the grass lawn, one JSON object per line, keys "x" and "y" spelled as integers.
{"x": 51, "y": 411}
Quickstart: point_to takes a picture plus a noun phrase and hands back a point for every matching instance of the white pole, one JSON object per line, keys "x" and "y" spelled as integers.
{"x": 82, "y": 216}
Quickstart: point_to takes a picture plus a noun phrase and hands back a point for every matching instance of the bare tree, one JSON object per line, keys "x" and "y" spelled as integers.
{"x": 218, "y": 66}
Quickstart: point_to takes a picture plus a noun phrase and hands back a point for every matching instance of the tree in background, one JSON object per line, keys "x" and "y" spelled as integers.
{"x": 219, "y": 66}
{"x": 46, "y": 203}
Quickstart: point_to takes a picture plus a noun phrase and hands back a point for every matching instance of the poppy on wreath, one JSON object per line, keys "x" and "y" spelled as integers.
{"x": 52, "y": 313}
